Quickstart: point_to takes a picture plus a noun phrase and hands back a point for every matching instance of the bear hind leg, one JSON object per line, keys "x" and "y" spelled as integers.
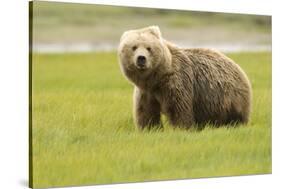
{"x": 238, "y": 114}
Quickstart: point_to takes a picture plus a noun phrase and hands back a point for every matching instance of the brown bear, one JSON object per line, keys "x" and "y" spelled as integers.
{"x": 193, "y": 86}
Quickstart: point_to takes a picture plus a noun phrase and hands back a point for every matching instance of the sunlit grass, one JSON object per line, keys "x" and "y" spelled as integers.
{"x": 83, "y": 132}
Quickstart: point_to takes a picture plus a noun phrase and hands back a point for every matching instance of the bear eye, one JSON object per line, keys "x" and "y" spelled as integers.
{"x": 148, "y": 48}
{"x": 134, "y": 48}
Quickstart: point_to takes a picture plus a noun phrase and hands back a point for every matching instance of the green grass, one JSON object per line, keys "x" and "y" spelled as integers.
{"x": 83, "y": 132}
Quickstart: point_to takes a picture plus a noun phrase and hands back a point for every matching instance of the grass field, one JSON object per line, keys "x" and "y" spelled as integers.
{"x": 83, "y": 132}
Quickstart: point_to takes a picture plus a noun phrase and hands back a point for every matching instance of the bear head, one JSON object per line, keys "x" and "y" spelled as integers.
{"x": 143, "y": 52}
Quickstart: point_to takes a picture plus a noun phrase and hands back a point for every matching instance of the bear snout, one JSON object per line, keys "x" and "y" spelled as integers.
{"x": 141, "y": 61}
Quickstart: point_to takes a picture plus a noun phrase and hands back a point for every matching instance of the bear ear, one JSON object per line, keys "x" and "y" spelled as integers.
{"x": 155, "y": 30}
{"x": 123, "y": 35}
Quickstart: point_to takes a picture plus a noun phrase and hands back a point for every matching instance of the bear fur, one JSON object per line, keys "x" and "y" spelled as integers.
{"x": 193, "y": 86}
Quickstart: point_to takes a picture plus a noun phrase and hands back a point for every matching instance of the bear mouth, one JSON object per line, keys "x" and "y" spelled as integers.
{"x": 141, "y": 68}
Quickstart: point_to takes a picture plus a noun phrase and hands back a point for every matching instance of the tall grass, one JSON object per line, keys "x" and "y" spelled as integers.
{"x": 83, "y": 131}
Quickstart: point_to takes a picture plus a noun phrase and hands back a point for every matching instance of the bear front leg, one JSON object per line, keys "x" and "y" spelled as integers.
{"x": 146, "y": 110}
{"x": 180, "y": 118}
{"x": 180, "y": 112}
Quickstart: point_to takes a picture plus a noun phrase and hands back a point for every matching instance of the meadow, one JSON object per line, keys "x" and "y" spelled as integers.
{"x": 83, "y": 131}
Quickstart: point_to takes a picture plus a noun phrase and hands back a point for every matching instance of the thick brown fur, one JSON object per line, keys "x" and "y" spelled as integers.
{"x": 189, "y": 86}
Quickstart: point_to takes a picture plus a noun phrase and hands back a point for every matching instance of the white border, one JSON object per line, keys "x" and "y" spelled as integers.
{"x": 14, "y": 92}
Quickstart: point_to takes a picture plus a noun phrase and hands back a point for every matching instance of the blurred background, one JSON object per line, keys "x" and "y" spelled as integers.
{"x": 69, "y": 27}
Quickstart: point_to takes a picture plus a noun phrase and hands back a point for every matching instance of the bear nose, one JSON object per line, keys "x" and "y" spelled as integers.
{"x": 141, "y": 60}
